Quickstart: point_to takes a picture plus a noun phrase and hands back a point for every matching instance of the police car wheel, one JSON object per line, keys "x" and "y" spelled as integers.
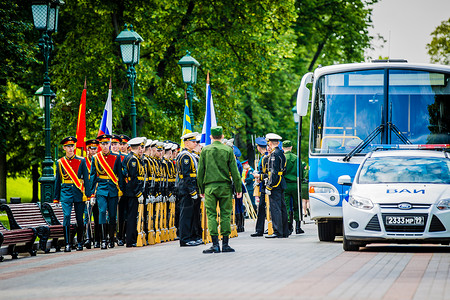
{"x": 350, "y": 246}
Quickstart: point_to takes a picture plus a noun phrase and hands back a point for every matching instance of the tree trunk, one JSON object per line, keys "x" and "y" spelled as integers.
{"x": 3, "y": 173}
{"x": 35, "y": 178}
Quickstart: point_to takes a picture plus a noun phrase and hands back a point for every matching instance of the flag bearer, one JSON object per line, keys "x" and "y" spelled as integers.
{"x": 91, "y": 146}
{"x": 106, "y": 173}
{"x": 71, "y": 187}
{"x": 216, "y": 163}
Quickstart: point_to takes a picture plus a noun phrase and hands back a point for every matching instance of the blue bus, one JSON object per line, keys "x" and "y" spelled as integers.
{"x": 356, "y": 106}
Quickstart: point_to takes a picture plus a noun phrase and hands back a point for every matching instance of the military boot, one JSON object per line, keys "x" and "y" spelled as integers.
{"x": 298, "y": 229}
{"x": 225, "y": 246}
{"x": 215, "y": 248}
{"x": 112, "y": 233}
{"x": 120, "y": 234}
{"x": 97, "y": 235}
{"x": 104, "y": 230}
{"x": 79, "y": 238}
{"x": 68, "y": 247}
{"x": 87, "y": 242}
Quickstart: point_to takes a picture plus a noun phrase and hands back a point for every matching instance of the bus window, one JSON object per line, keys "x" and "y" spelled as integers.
{"x": 419, "y": 104}
{"x": 346, "y": 110}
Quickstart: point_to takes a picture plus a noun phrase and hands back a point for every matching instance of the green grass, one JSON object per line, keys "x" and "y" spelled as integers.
{"x": 19, "y": 187}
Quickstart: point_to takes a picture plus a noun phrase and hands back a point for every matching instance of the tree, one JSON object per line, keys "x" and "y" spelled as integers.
{"x": 439, "y": 47}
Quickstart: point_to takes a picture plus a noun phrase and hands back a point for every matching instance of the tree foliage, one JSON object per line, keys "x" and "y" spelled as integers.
{"x": 439, "y": 47}
{"x": 255, "y": 51}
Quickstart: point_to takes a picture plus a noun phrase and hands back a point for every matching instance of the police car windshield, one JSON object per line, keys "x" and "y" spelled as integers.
{"x": 405, "y": 170}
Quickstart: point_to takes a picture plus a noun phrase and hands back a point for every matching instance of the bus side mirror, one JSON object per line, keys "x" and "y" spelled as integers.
{"x": 344, "y": 180}
{"x": 303, "y": 95}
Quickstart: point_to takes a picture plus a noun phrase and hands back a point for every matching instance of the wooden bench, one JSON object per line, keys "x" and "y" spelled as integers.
{"x": 29, "y": 215}
{"x": 18, "y": 240}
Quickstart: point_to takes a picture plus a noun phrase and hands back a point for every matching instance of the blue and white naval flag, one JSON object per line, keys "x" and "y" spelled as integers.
{"x": 210, "y": 116}
{"x": 186, "y": 120}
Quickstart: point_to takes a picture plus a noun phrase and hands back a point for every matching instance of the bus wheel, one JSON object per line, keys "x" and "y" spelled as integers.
{"x": 327, "y": 231}
{"x": 350, "y": 246}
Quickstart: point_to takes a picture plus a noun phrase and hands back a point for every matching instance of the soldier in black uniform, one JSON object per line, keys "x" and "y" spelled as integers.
{"x": 123, "y": 203}
{"x": 275, "y": 187}
{"x": 260, "y": 175}
{"x": 188, "y": 190}
{"x": 134, "y": 172}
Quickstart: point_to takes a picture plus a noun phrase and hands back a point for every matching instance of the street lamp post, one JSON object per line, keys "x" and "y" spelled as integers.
{"x": 45, "y": 18}
{"x": 189, "y": 66}
{"x": 130, "y": 47}
{"x": 298, "y": 123}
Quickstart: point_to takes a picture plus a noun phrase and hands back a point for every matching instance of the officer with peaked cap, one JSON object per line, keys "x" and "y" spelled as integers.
{"x": 260, "y": 175}
{"x": 188, "y": 191}
{"x": 106, "y": 174}
{"x": 134, "y": 172}
{"x": 71, "y": 188}
{"x": 216, "y": 163}
{"x": 124, "y": 145}
{"x": 291, "y": 192}
{"x": 275, "y": 187}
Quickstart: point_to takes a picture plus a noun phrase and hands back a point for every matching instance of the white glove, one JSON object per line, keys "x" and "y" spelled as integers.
{"x": 267, "y": 192}
{"x": 255, "y": 173}
{"x": 93, "y": 200}
{"x": 141, "y": 199}
{"x": 195, "y": 197}
{"x": 257, "y": 200}
{"x": 147, "y": 201}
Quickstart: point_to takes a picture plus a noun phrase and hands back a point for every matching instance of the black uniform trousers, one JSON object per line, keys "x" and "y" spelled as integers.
{"x": 196, "y": 222}
{"x": 261, "y": 217}
{"x": 97, "y": 229}
{"x": 132, "y": 215}
{"x": 122, "y": 216}
{"x": 186, "y": 217}
{"x": 279, "y": 213}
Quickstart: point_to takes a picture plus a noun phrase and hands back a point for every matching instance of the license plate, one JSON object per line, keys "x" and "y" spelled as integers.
{"x": 405, "y": 220}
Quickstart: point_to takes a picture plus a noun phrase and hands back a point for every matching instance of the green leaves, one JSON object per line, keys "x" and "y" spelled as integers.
{"x": 439, "y": 47}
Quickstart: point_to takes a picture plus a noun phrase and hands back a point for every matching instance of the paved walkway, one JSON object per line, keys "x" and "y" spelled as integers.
{"x": 300, "y": 267}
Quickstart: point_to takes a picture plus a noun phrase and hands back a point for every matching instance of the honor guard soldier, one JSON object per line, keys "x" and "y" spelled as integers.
{"x": 71, "y": 187}
{"x": 216, "y": 163}
{"x": 91, "y": 150}
{"x": 291, "y": 192}
{"x": 124, "y": 145}
{"x": 106, "y": 174}
{"x": 187, "y": 188}
{"x": 123, "y": 203}
{"x": 260, "y": 175}
{"x": 115, "y": 143}
{"x": 134, "y": 173}
{"x": 276, "y": 184}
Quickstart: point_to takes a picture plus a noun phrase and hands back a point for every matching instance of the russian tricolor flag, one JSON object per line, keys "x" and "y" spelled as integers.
{"x": 210, "y": 116}
{"x": 106, "y": 123}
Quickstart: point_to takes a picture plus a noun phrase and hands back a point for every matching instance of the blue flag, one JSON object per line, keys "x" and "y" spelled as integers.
{"x": 186, "y": 121}
{"x": 210, "y": 116}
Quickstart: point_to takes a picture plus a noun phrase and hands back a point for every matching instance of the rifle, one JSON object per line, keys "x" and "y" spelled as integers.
{"x": 172, "y": 229}
{"x": 87, "y": 243}
{"x": 269, "y": 219}
{"x": 157, "y": 221}
{"x": 233, "y": 220}
{"x": 150, "y": 210}
{"x": 218, "y": 220}
{"x": 140, "y": 226}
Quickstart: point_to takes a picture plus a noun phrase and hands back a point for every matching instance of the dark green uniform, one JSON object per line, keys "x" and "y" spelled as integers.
{"x": 216, "y": 163}
{"x": 291, "y": 192}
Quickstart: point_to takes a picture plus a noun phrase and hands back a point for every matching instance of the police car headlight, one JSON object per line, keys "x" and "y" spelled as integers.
{"x": 360, "y": 202}
{"x": 443, "y": 204}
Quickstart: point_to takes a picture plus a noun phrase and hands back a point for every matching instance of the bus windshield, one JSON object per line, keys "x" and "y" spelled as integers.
{"x": 349, "y": 106}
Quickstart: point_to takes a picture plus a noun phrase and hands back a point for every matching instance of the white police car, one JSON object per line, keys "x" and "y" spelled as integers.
{"x": 398, "y": 196}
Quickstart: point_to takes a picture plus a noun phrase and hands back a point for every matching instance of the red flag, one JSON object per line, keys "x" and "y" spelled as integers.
{"x": 81, "y": 125}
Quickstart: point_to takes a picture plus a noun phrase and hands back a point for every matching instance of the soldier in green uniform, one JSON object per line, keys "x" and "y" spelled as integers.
{"x": 291, "y": 191}
{"x": 216, "y": 163}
